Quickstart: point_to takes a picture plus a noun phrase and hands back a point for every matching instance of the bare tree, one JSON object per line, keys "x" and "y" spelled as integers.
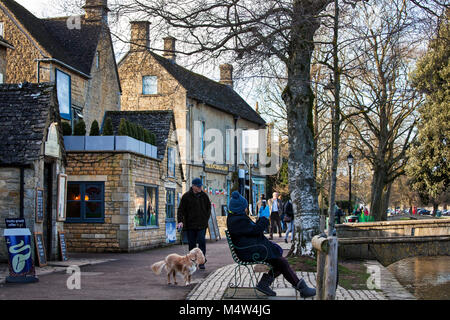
{"x": 381, "y": 91}
{"x": 254, "y": 33}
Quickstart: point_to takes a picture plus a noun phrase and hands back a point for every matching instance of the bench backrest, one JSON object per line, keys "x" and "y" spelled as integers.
{"x": 231, "y": 246}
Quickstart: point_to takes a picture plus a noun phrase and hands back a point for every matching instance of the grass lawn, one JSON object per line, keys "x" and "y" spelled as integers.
{"x": 352, "y": 274}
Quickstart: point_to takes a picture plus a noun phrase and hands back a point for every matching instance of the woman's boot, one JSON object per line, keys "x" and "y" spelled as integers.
{"x": 305, "y": 291}
{"x": 264, "y": 285}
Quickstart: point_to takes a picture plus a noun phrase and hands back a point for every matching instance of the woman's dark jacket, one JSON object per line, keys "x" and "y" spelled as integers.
{"x": 244, "y": 232}
{"x": 194, "y": 210}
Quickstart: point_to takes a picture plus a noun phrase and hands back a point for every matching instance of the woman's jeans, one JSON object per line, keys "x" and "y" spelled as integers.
{"x": 290, "y": 228}
{"x": 197, "y": 236}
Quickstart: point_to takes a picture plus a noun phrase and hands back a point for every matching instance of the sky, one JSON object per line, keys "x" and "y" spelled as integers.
{"x": 40, "y": 8}
{"x": 47, "y": 8}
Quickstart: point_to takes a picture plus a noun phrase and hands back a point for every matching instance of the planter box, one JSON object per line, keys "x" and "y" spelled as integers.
{"x": 74, "y": 143}
{"x": 151, "y": 151}
{"x": 99, "y": 143}
{"x": 142, "y": 147}
{"x": 154, "y": 152}
{"x": 124, "y": 143}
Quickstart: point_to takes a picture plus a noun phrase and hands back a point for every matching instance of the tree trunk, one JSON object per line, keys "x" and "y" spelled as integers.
{"x": 377, "y": 199}
{"x": 299, "y": 100}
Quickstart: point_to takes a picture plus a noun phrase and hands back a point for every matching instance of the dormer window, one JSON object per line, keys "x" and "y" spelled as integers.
{"x": 149, "y": 85}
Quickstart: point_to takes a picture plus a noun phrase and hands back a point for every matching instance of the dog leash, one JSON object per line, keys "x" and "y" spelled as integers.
{"x": 185, "y": 250}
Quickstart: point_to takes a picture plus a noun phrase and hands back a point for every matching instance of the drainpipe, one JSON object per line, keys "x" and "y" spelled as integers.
{"x": 22, "y": 192}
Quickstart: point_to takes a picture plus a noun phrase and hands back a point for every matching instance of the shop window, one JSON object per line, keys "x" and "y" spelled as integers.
{"x": 149, "y": 85}
{"x": 171, "y": 162}
{"x": 146, "y": 206}
{"x": 170, "y": 205}
{"x": 85, "y": 202}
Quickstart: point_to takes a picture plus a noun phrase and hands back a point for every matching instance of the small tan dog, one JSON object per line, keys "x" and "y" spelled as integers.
{"x": 185, "y": 265}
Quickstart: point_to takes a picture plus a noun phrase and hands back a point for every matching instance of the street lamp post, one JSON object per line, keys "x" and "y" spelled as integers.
{"x": 350, "y": 162}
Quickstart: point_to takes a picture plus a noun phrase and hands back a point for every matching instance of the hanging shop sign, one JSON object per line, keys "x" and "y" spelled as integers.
{"x": 216, "y": 168}
{"x": 52, "y": 144}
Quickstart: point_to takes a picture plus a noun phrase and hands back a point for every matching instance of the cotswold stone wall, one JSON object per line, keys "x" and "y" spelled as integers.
{"x": 120, "y": 172}
{"x": 94, "y": 96}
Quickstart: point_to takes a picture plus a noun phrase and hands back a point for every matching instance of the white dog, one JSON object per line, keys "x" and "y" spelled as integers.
{"x": 185, "y": 265}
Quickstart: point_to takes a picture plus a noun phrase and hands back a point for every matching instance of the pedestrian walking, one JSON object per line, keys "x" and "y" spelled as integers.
{"x": 259, "y": 203}
{"x": 263, "y": 210}
{"x": 193, "y": 215}
{"x": 275, "y": 211}
{"x": 281, "y": 213}
{"x": 249, "y": 237}
{"x": 339, "y": 214}
{"x": 289, "y": 219}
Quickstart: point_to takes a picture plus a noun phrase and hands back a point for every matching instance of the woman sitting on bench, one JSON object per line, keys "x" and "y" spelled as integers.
{"x": 245, "y": 233}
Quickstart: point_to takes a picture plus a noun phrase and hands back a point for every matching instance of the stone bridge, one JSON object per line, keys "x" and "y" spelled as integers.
{"x": 391, "y": 241}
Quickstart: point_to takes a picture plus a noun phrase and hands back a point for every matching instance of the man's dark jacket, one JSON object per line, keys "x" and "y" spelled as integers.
{"x": 194, "y": 210}
{"x": 244, "y": 232}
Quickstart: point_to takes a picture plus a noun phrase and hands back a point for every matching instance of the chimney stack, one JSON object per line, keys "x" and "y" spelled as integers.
{"x": 226, "y": 74}
{"x": 169, "y": 48}
{"x": 140, "y": 35}
{"x": 96, "y": 11}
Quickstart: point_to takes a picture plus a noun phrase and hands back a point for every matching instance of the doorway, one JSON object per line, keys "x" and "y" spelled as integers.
{"x": 48, "y": 220}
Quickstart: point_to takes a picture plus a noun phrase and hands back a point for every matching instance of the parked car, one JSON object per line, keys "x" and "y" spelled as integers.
{"x": 423, "y": 211}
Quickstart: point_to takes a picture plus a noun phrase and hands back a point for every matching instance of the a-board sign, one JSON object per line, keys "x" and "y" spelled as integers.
{"x": 212, "y": 226}
{"x": 62, "y": 246}
{"x": 15, "y": 223}
{"x": 40, "y": 249}
{"x": 39, "y": 205}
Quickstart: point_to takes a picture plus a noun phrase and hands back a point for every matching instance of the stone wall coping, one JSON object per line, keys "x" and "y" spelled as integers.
{"x": 363, "y": 225}
{"x": 401, "y": 239}
{"x": 116, "y": 152}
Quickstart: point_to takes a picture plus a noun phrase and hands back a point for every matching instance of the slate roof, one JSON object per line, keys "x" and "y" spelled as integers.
{"x": 157, "y": 122}
{"x": 213, "y": 93}
{"x": 26, "y": 111}
{"x": 74, "y": 47}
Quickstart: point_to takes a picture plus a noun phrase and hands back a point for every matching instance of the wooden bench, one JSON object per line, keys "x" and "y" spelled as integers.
{"x": 236, "y": 281}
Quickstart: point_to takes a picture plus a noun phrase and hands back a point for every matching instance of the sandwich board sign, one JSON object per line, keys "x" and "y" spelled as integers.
{"x": 213, "y": 227}
{"x": 20, "y": 262}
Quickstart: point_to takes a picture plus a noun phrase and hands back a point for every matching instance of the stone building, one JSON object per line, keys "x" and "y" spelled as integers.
{"x": 32, "y": 158}
{"x": 74, "y": 52}
{"x": 205, "y": 111}
{"x": 123, "y": 201}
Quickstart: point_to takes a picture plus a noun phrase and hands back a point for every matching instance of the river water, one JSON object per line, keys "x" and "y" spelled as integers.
{"x": 427, "y": 278}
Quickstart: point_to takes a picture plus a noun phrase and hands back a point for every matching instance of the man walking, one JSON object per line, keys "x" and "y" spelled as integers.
{"x": 193, "y": 215}
{"x": 275, "y": 211}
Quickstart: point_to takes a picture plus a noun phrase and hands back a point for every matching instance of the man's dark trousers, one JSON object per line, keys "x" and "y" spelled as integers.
{"x": 275, "y": 220}
{"x": 197, "y": 236}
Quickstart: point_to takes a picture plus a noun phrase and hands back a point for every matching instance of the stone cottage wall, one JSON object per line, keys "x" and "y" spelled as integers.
{"x": 120, "y": 172}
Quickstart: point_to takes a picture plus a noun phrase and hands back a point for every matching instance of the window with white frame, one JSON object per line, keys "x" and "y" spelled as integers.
{"x": 227, "y": 145}
{"x": 2, "y": 29}
{"x": 149, "y": 85}
{"x": 202, "y": 129}
{"x": 171, "y": 162}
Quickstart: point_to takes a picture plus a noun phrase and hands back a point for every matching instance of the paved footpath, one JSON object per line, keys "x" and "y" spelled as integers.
{"x": 128, "y": 276}
{"x": 215, "y": 286}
